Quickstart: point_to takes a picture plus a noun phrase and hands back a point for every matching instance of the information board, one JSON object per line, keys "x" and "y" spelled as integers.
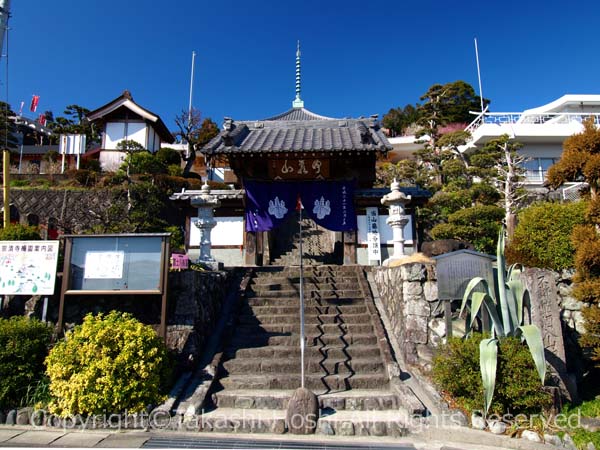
{"x": 28, "y": 267}
{"x": 116, "y": 263}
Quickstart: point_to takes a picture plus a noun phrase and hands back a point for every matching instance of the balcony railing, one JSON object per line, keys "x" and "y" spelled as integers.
{"x": 522, "y": 118}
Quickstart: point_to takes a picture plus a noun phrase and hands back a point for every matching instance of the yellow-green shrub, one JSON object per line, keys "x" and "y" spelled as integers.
{"x": 543, "y": 236}
{"x": 108, "y": 364}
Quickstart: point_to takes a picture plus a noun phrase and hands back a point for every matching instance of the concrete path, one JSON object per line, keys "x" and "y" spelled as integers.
{"x": 455, "y": 439}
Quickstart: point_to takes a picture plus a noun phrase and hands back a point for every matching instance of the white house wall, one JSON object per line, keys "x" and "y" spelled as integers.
{"x": 228, "y": 231}
{"x": 115, "y": 133}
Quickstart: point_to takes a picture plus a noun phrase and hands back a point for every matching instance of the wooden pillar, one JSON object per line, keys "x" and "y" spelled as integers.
{"x": 250, "y": 247}
{"x": 267, "y": 244}
{"x": 350, "y": 247}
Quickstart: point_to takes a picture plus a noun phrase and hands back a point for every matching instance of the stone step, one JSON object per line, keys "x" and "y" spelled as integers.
{"x": 308, "y": 302}
{"x": 280, "y": 352}
{"x": 308, "y": 294}
{"x": 272, "y": 421}
{"x": 292, "y": 339}
{"x": 390, "y": 423}
{"x": 309, "y": 318}
{"x": 310, "y": 279}
{"x": 355, "y": 400}
{"x": 260, "y": 311}
{"x": 314, "y": 382}
{"x": 258, "y": 289}
{"x": 322, "y": 270}
{"x": 310, "y": 329}
{"x": 324, "y": 366}
{"x": 234, "y": 420}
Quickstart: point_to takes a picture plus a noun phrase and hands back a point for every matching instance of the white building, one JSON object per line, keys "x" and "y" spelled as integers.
{"x": 123, "y": 119}
{"x": 541, "y": 130}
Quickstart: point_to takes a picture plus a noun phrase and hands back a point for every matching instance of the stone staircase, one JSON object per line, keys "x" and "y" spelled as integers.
{"x": 348, "y": 360}
{"x": 317, "y": 244}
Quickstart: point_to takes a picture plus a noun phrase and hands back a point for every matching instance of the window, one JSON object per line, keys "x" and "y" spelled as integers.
{"x": 537, "y": 168}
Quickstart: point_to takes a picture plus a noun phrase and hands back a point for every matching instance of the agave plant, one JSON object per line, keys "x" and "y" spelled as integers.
{"x": 506, "y": 313}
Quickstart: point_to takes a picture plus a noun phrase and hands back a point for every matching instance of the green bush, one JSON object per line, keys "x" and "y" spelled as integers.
{"x": 518, "y": 390}
{"x": 18, "y": 232}
{"x": 168, "y": 156}
{"x": 20, "y": 183}
{"x": 108, "y": 364}
{"x": 478, "y": 225}
{"x": 143, "y": 162}
{"x": 93, "y": 165}
{"x": 542, "y": 237}
{"x": 83, "y": 176}
{"x": 174, "y": 170}
{"x": 23, "y": 347}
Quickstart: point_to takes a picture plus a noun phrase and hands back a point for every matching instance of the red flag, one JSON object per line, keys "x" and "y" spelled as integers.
{"x": 299, "y": 204}
{"x": 42, "y": 120}
{"x": 34, "y": 102}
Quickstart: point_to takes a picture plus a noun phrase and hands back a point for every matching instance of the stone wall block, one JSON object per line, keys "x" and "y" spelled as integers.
{"x": 416, "y": 330}
{"x": 430, "y": 289}
{"x": 413, "y": 272}
{"x": 571, "y": 304}
{"x": 415, "y": 305}
{"x": 412, "y": 289}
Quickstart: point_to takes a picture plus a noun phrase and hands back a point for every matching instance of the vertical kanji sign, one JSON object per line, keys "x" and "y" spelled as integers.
{"x": 373, "y": 236}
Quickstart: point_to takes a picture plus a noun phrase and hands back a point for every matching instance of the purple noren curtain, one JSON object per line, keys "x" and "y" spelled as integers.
{"x": 329, "y": 203}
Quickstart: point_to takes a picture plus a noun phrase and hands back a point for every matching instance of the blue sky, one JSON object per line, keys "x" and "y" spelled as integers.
{"x": 358, "y": 57}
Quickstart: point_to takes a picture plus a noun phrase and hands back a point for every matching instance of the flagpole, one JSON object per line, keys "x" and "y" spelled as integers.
{"x": 479, "y": 75}
{"x": 302, "y": 343}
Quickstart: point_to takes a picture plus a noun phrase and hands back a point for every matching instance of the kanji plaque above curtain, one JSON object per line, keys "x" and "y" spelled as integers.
{"x": 329, "y": 203}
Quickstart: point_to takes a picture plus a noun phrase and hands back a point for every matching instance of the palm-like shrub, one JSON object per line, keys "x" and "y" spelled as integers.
{"x": 506, "y": 312}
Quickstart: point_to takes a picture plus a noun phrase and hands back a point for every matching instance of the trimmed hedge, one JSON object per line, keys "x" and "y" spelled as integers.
{"x": 542, "y": 237}
{"x": 18, "y": 232}
{"x": 23, "y": 347}
{"x": 518, "y": 390}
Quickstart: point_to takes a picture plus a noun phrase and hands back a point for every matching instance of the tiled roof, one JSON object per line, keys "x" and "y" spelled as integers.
{"x": 298, "y": 130}
{"x": 299, "y": 114}
{"x": 126, "y": 100}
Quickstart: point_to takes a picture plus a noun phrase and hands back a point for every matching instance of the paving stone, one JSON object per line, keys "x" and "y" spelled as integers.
{"x": 80, "y": 439}
{"x": 7, "y": 434}
{"x": 35, "y": 438}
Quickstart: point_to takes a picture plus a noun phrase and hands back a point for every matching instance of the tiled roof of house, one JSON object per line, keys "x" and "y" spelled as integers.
{"x": 125, "y": 100}
{"x": 299, "y": 130}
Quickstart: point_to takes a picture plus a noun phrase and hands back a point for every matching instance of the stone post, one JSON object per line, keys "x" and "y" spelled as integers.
{"x": 396, "y": 201}
{"x": 205, "y": 202}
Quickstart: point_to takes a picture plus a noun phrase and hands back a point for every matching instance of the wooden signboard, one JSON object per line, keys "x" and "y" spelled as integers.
{"x": 299, "y": 169}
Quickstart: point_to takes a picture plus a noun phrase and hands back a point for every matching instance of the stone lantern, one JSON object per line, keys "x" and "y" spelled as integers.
{"x": 205, "y": 202}
{"x": 396, "y": 202}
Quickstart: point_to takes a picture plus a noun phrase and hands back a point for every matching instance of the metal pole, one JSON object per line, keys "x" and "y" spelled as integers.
{"x": 191, "y": 88}
{"x": 6, "y": 193}
{"x": 302, "y": 340}
{"x": 21, "y": 151}
{"x": 479, "y": 75}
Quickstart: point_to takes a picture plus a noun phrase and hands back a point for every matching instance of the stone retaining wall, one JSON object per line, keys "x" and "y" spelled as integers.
{"x": 409, "y": 296}
{"x": 195, "y": 300}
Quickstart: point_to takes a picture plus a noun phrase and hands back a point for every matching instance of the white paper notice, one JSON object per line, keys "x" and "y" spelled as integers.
{"x": 104, "y": 265}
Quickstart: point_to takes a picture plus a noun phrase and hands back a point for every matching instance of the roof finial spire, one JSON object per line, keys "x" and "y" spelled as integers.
{"x": 298, "y": 103}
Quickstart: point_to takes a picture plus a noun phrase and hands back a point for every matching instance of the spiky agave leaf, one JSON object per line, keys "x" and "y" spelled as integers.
{"x": 501, "y": 263}
{"x": 533, "y": 337}
{"x": 488, "y": 361}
